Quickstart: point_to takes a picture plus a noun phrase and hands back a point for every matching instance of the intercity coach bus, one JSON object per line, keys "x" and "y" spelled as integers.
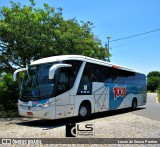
{"x": 73, "y": 85}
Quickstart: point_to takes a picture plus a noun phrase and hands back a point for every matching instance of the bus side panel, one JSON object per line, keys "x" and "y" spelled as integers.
{"x": 64, "y": 105}
{"x": 101, "y": 96}
{"x": 121, "y": 95}
{"x": 79, "y": 99}
{"x": 142, "y": 96}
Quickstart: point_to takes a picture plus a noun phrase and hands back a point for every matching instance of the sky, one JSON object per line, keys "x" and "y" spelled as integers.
{"x": 118, "y": 19}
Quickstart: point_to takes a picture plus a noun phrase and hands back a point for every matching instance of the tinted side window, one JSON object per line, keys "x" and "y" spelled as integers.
{"x": 129, "y": 77}
{"x": 103, "y": 74}
{"x": 142, "y": 79}
{"x": 112, "y": 75}
{"x": 73, "y": 71}
{"x": 67, "y": 76}
{"x": 90, "y": 74}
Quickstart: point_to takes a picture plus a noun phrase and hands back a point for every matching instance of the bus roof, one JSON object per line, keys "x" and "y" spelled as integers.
{"x": 80, "y": 58}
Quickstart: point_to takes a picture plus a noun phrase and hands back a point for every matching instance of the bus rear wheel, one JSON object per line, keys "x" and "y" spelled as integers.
{"x": 84, "y": 111}
{"x": 134, "y": 104}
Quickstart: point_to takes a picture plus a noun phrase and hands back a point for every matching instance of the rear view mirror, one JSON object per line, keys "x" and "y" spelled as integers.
{"x": 55, "y": 67}
{"x": 15, "y": 73}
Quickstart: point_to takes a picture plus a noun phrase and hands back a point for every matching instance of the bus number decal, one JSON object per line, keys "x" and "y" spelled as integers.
{"x": 119, "y": 91}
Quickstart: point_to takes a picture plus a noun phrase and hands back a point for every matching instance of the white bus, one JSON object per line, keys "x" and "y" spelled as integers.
{"x": 73, "y": 85}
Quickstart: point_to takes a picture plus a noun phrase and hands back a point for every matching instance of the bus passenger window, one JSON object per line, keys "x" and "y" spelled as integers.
{"x": 67, "y": 76}
{"x": 85, "y": 86}
{"x": 93, "y": 78}
{"x": 84, "y": 79}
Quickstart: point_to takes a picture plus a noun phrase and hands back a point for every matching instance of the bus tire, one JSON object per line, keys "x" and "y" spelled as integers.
{"x": 134, "y": 104}
{"x": 84, "y": 111}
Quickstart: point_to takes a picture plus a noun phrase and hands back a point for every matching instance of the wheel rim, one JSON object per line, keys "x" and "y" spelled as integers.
{"x": 83, "y": 111}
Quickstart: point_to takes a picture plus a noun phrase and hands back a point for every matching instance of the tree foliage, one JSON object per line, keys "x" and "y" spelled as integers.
{"x": 28, "y": 33}
{"x": 9, "y": 92}
{"x": 153, "y": 74}
{"x": 153, "y": 80}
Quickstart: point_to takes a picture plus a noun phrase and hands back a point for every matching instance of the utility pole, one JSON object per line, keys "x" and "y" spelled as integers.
{"x": 108, "y": 47}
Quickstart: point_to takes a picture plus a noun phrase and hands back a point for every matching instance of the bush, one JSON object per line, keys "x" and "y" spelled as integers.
{"x": 9, "y": 113}
{"x": 158, "y": 93}
{"x": 9, "y": 92}
{"x": 152, "y": 83}
{"x": 153, "y": 80}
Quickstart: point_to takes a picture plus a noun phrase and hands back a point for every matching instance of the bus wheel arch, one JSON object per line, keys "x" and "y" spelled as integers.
{"x": 134, "y": 103}
{"x": 84, "y": 109}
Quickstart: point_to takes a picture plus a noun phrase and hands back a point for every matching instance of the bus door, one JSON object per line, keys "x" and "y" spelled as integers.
{"x": 64, "y": 84}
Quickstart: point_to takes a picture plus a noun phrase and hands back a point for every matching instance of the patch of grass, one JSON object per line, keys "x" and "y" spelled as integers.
{"x": 8, "y": 113}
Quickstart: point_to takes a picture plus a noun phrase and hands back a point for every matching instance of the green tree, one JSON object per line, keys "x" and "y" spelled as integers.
{"x": 28, "y": 33}
{"x": 9, "y": 92}
{"x": 153, "y": 80}
{"x": 153, "y": 74}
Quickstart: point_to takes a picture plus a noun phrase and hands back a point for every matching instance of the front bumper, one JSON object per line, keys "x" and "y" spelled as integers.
{"x": 43, "y": 113}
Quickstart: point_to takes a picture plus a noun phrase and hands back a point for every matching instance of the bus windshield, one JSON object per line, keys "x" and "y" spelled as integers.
{"x": 36, "y": 84}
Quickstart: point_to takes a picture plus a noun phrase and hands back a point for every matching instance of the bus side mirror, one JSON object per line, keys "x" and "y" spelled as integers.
{"x": 15, "y": 73}
{"x": 55, "y": 67}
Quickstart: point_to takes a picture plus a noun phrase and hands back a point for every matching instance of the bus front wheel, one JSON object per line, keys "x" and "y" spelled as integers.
{"x": 84, "y": 111}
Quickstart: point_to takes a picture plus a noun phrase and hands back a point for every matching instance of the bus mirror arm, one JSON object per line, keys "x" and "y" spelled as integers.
{"x": 55, "y": 67}
{"x": 15, "y": 73}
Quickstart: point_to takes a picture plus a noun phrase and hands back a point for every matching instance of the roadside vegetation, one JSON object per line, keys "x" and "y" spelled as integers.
{"x": 158, "y": 93}
{"x": 9, "y": 92}
{"x": 153, "y": 83}
{"x": 9, "y": 113}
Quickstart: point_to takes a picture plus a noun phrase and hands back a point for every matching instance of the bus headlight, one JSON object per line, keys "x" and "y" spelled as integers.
{"x": 45, "y": 105}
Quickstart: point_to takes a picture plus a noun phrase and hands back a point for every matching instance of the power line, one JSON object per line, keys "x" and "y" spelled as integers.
{"x": 134, "y": 35}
